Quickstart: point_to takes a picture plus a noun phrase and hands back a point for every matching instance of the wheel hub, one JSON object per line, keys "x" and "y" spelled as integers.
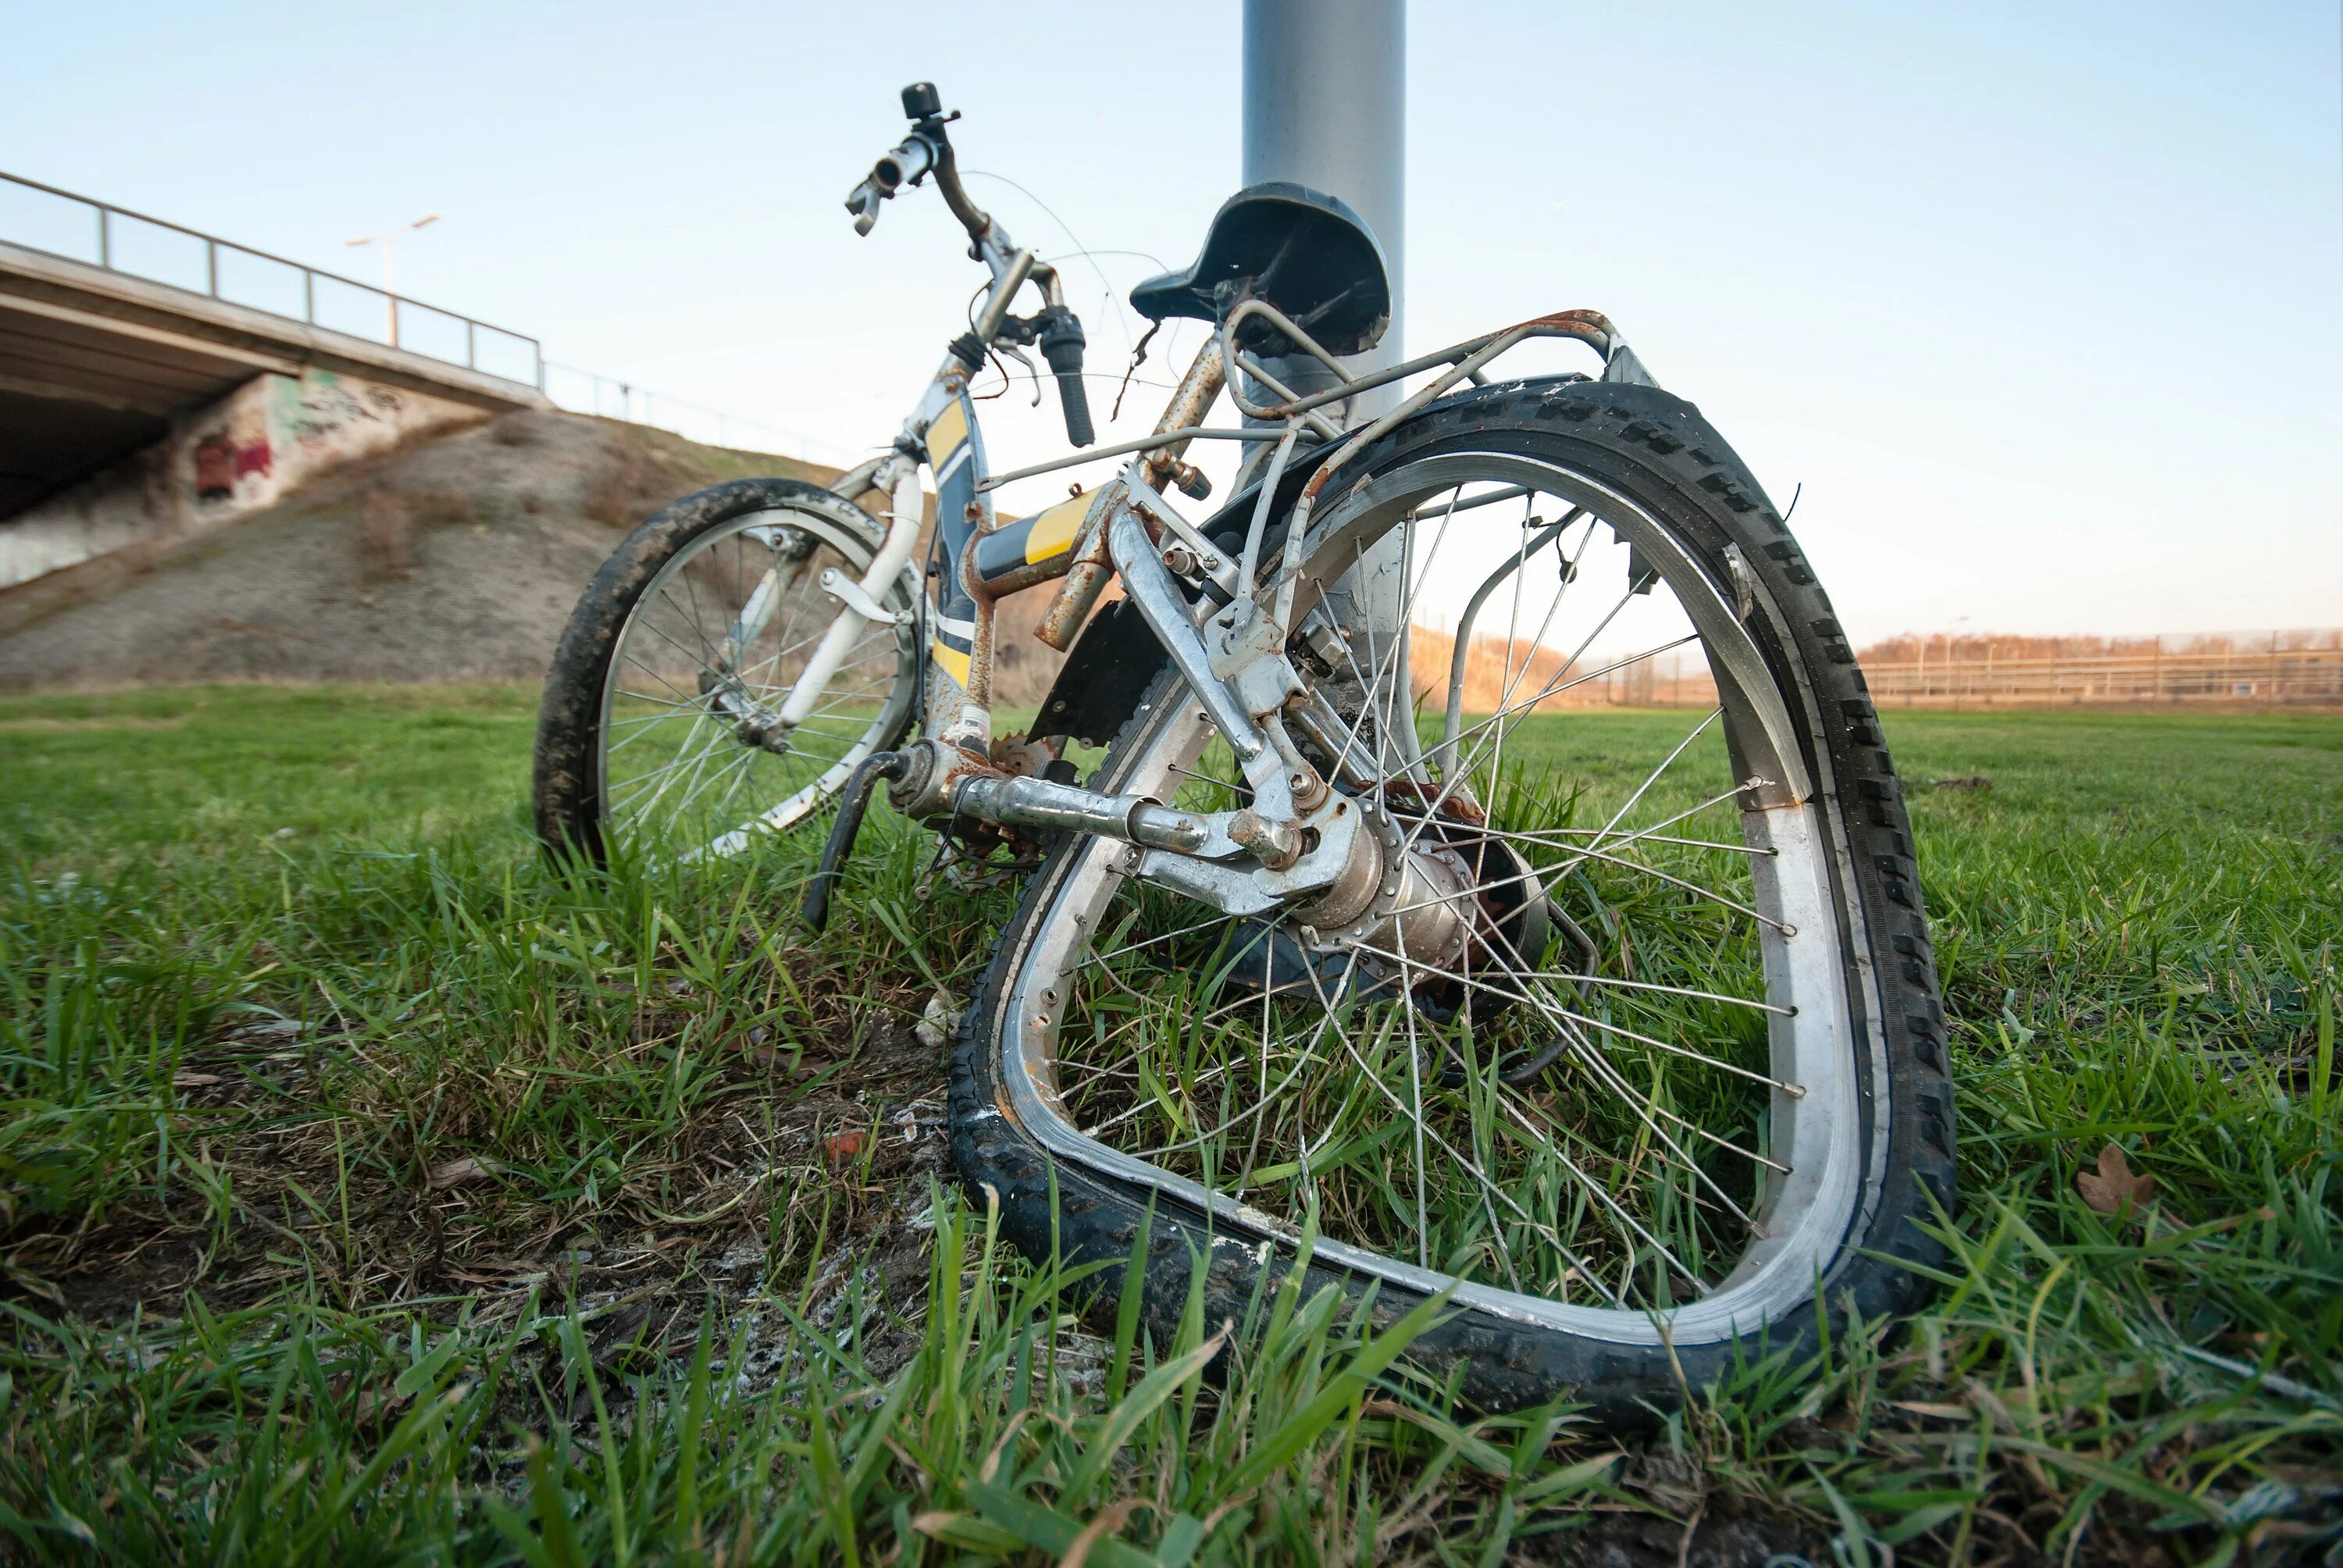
{"x": 1454, "y": 902}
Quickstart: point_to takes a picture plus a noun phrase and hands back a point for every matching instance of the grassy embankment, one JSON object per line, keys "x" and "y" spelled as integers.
{"x": 371, "y": 1193}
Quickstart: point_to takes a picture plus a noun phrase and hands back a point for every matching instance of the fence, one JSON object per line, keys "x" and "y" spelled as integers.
{"x": 2266, "y": 677}
{"x": 2253, "y": 671}
{"x": 44, "y": 218}
{"x": 586, "y": 392}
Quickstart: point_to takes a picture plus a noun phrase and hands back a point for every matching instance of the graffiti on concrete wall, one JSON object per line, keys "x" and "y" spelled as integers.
{"x": 241, "y": 454}
{"x": 274, "y": 432}
{"x": 221, "y": 459}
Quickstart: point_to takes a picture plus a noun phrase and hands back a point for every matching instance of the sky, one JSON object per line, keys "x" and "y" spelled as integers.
{"x": 2037, "y": 308}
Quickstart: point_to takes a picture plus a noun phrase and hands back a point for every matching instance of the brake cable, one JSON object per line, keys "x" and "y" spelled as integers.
{"x": 1138, "y": 356}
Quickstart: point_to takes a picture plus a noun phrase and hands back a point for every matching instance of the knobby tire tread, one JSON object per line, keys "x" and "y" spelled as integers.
{"x": 1677, "y": 460}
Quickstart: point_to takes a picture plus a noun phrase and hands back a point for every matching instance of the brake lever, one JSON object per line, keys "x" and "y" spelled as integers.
{"x": 1003, "y": 346}
{"x": 864, "y": 205}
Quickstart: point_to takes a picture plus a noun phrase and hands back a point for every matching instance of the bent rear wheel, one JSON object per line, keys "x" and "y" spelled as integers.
{"x": 690, "y": 638}
{"x": 1642, "y": 1058}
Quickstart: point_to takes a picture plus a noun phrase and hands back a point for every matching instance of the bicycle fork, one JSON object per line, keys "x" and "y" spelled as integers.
{"x": 860, "y": 606}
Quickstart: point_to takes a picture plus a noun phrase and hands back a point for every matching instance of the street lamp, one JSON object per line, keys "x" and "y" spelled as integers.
{"x": 389, "y": 243}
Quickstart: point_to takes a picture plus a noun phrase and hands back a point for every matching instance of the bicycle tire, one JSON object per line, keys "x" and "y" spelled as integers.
{"x": 572, "y": 793}
{"x": 1657, "y": 450}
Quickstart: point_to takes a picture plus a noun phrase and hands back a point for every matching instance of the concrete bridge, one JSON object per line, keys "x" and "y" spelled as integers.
{"x": 155, "y": 381}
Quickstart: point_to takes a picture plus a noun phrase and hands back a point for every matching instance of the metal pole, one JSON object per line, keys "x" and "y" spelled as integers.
{"x": 1325, "y": 106}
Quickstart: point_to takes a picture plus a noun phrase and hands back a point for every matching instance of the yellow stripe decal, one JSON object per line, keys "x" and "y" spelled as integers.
{"x": 953, "y": 662}
{"x": 1052, "y": 533}
{"x": 945, "y": 436}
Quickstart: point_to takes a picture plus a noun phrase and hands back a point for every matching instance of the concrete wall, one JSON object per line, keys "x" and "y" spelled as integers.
{"x": 224, "y": 462}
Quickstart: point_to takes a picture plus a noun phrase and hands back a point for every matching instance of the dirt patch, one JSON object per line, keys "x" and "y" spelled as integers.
{"x": 456, "y": 558}
{"x": 812, "y": 1171}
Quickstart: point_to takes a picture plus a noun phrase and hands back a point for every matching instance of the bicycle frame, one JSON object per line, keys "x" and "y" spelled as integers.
{"x": 1227, "y": 633}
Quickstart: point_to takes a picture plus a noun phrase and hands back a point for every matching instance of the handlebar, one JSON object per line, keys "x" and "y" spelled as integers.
{"x": 927, "y": 150}
{"x": 1055, "y": 330}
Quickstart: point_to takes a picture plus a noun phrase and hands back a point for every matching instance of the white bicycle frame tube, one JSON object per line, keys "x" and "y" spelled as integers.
{"x": 894, "y": 554}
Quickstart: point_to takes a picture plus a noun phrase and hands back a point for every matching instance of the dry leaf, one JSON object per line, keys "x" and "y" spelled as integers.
{"x": 455, "y": 1172}
{"x": 1110, "y": 1519}
{"x": 194, "y": 1080}
{"x": 2113, "y": 1187}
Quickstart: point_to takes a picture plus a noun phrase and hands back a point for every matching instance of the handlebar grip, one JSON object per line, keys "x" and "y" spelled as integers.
{"x": 1076, "y": 402}
{"x": 1062, "y": 342}
{"x": 907, "y": 164}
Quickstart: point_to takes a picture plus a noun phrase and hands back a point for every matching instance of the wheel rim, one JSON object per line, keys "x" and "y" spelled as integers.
{"x": 1130, "y": 1042}
{"x": 673, "y": 774}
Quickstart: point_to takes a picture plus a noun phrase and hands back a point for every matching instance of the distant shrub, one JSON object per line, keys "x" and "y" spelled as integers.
{"x": 386, "y": 537}
{"x": 390, "y": 521}
{"x": 630, "y": 484}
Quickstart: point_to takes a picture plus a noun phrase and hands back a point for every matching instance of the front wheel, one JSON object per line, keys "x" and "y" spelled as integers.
{"x": 657, "y": 723}
{"x": 1637, "y": 1048}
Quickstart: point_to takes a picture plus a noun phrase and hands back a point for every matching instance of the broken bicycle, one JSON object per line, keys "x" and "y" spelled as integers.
{"x": 1365, "y": 949}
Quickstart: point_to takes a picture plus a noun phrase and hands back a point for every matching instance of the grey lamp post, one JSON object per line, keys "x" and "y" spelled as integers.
{"x": 1325, "y": 106}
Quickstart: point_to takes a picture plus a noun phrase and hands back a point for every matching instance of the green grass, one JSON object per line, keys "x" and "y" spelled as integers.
{"x": 372, "y": 1194}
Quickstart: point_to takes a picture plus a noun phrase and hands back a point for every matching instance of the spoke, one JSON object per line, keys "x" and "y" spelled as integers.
{"x": 1491, "y": 1188}
{"x": 1307, "y": 1056}
{"x": 1449, "y": 786}
{"x": 1416, "y": 1101}
{"x": 1206, "y": 779}
{"x": 739, "y": 776}
{"x": 658, "y": 631}
{"x": 1465, "y": 771}
{"x": 1643, "y": 1105}
{"x": 663, "y": 703}
{"x": 683, "y": 575}
{"x": 1234, "y": 1123}
{"x": 1514, "y": 627}
{"x": 1560, "y": 837}
{"x": 1669, "y": 761}
{"x": 1513, "y": 680}
{"x": 1580, "y": 857}
{"x": 668, "y": 772}
{"x": 748, "y": 755}
{"x": 1554, "y": 690}
{"x": 1602, "y": 1195}
{"x": 1217, "y": 920}
{"x": 874, "y": 632}
{"x": 1594, "y": 1187}
{"x": 1554, "y": 1010}
{"x": 690, "y": 698}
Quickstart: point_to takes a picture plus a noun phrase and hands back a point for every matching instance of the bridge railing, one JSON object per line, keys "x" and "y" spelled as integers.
{"x": 73, "y": 227}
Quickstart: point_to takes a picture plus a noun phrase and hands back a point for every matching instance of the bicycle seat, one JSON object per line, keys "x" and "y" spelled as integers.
{"x": 1306, "y": 253}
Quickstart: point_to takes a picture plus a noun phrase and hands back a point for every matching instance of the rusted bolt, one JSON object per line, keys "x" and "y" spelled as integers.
{"x": 1179, "y": 560}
